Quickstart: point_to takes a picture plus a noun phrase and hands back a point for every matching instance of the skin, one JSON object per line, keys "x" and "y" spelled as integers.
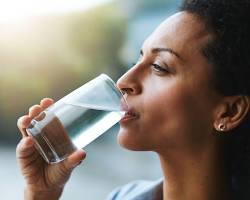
{"x": 176, "y": 114}
{"x": 43, "y": 181}
{"x": 181, "y": 91}
{"x": 178, "y": 110}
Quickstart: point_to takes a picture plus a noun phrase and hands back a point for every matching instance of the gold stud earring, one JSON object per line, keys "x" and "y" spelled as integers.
{"x": 222, "y": 127}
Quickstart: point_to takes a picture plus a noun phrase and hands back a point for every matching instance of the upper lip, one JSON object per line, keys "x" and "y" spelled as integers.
{"x": 129, "y": 110}
{"x": 131, "y": 113}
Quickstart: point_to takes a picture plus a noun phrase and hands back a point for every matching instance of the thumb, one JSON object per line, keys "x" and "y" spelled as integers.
{"x": 74, "y": 159}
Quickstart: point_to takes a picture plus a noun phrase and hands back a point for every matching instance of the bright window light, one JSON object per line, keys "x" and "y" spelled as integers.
{"x": 19, "y": 9}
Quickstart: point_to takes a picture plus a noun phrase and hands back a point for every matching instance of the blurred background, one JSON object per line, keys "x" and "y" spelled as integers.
{"x": 50, "y": 47}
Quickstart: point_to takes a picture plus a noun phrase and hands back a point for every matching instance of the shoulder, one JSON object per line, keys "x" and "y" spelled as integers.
{"x": 138, "y": 190}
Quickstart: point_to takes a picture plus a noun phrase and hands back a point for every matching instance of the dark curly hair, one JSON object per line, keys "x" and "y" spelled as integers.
{"x": 229, "y": 54}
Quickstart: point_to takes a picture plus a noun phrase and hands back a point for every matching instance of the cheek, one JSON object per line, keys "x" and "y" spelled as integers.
{"x": 163, "y": 104}
{"x": 163, "y": 113}
{"x": 175, "y": 116}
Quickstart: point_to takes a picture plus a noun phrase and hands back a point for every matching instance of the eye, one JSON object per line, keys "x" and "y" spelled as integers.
{"x": 159, "y": 68}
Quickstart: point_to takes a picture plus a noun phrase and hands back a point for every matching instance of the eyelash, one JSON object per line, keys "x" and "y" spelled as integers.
{"x": 159, "y": 69}
{"x": 156, "y": 67}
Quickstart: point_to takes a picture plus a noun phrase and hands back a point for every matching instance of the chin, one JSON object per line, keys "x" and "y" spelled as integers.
{"x": 131, "y": 142}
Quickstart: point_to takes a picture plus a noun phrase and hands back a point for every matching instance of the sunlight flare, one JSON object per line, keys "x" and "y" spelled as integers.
{"x": 17, "y": 9}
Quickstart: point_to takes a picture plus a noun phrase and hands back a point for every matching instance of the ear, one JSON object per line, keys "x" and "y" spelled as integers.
{"x": 230, "y": 112}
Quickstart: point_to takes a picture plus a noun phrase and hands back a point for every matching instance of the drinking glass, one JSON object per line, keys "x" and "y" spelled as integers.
{"x": 77, "y": 119}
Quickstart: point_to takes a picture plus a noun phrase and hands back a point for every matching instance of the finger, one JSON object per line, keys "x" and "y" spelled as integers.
{"x": 46, "y": 102}
{"x": 34, "y": 110}
{"x": 74, "y": 159}
{"x": 25, "y": 148}
{"x": 22, "y": 123}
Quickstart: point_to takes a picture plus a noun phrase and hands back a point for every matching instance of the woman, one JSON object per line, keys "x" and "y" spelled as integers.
{"x": 189, "y": 102}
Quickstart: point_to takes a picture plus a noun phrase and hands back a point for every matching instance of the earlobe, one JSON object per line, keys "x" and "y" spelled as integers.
{"x": 231, "y": 113}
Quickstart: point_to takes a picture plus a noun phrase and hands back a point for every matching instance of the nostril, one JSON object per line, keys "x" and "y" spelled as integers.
{"x": 128, "y": 84}
{"x": 123, "y": 92}
{"x": 127, "y": 91}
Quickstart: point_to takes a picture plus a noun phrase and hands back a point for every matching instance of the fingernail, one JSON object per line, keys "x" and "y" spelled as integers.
{"x": 77, "y": 164}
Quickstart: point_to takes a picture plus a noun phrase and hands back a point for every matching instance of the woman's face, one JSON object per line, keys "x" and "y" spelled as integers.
{"x": 169, "y": 89}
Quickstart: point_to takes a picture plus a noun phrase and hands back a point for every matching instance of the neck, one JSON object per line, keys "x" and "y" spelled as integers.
{"x": 198, "y": 175}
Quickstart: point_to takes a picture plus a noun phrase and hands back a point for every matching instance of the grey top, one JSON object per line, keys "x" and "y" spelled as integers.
{"x": 139, "y": 190}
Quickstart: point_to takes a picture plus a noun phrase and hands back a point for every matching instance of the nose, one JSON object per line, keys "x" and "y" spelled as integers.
{"x": 129, "y": 83}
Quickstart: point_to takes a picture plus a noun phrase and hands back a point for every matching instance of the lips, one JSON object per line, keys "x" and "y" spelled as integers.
{"x": 130, "y": 115}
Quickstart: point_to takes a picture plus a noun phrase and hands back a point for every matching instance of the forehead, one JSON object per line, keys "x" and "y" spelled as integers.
{"x": 181, "y": 32}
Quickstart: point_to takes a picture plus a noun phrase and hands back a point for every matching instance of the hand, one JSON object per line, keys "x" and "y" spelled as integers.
{"x": 42, "y": 178}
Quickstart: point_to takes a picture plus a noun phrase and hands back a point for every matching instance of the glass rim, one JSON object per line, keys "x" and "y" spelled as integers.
{"x": 122, "y": 94}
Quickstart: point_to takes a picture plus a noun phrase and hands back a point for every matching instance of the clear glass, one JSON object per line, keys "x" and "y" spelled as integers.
{"x": 77, "y": 119}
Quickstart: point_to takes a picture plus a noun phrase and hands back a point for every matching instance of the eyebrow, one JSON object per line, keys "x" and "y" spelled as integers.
{"x": 160, "y": 49}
